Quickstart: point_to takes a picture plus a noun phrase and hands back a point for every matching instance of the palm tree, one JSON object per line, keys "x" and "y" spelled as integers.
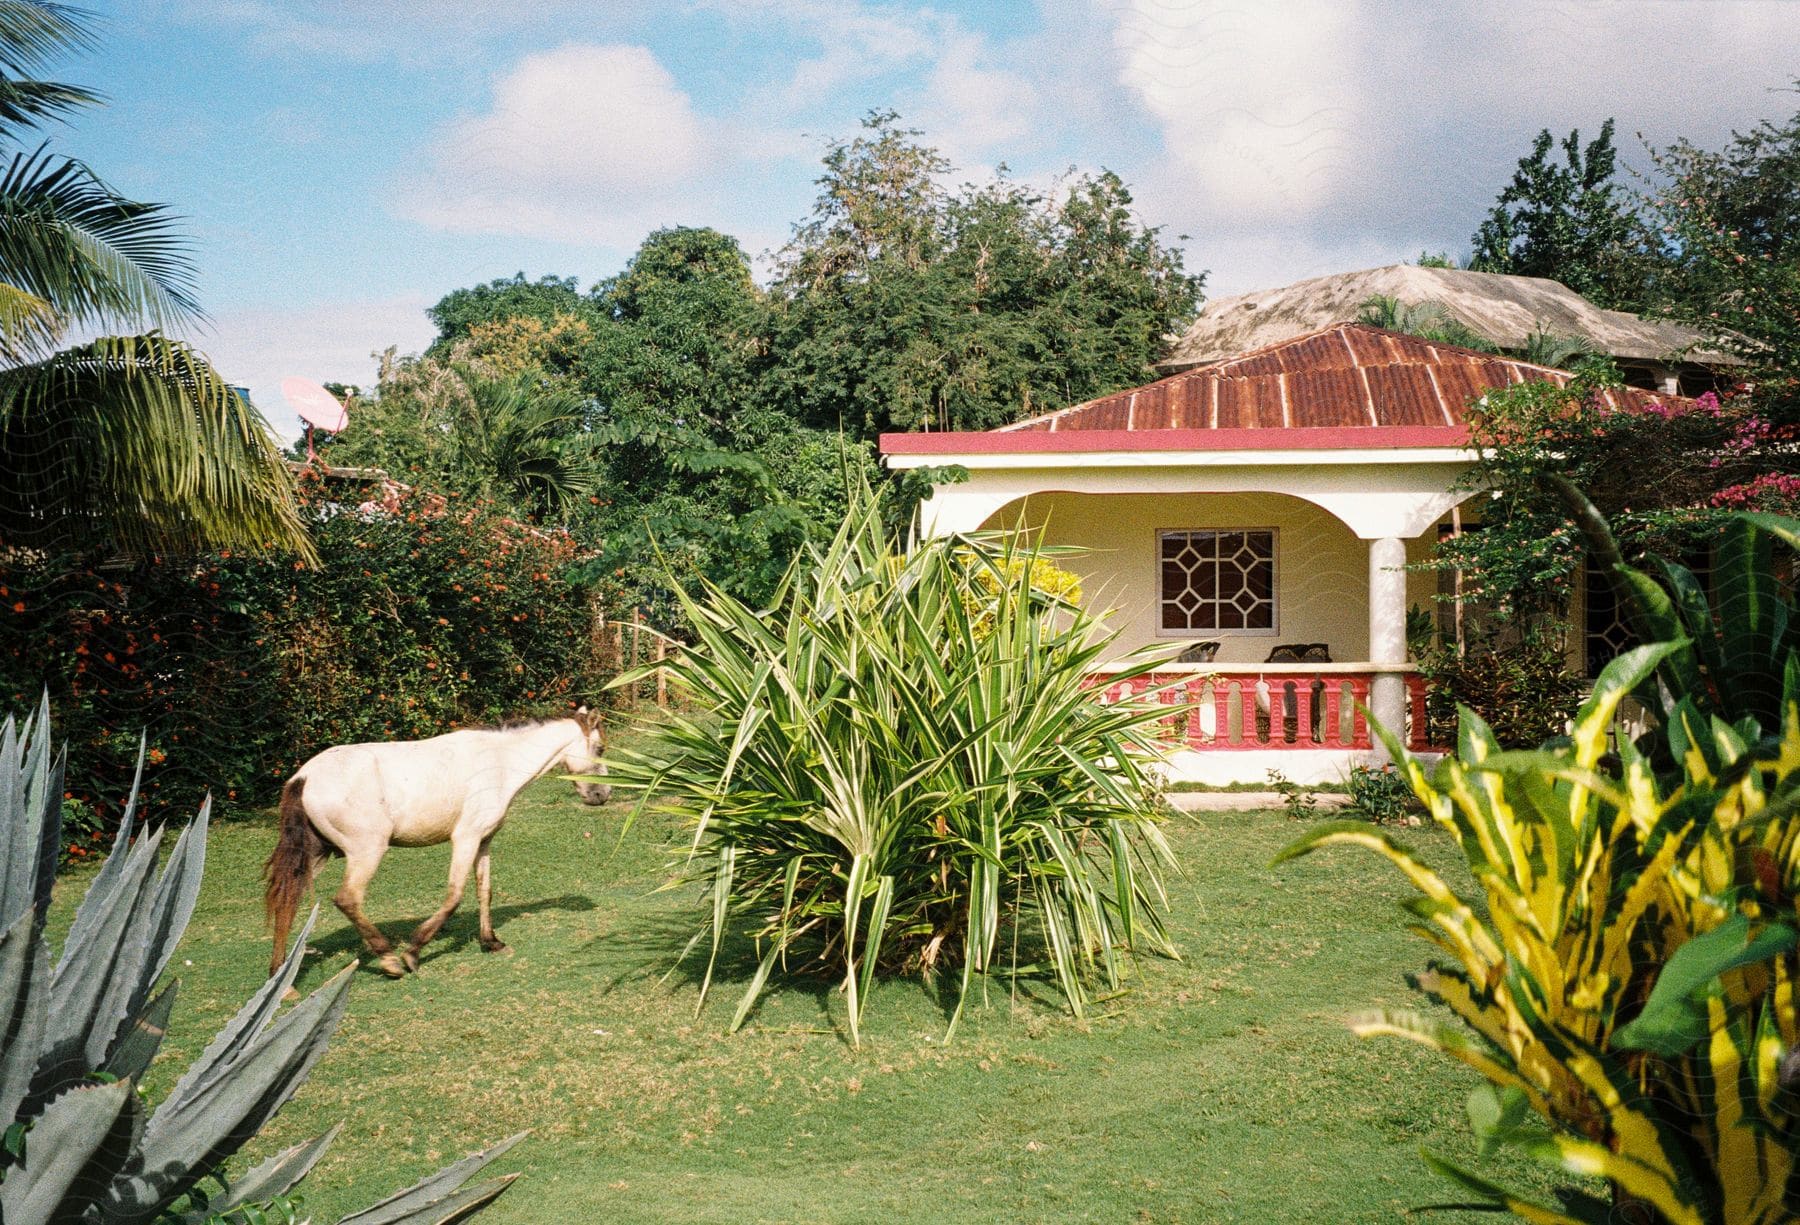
{"x": 133, "y": 441}
{"x": 526, "y": 441}
{"x": 1546, "y": 348}
{"x": 1426, "y": 320}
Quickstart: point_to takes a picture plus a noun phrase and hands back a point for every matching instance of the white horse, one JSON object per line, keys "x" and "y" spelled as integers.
{"x": 356, "y": 800}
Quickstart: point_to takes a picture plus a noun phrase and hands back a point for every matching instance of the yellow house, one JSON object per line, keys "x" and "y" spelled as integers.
{"x": 1255, "y": 515}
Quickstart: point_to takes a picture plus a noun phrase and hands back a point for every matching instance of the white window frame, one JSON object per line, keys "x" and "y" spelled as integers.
{"x": 1207, "y": 635}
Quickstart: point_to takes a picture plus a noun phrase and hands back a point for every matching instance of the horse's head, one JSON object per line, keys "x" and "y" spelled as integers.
{"x": 583, "y": 756}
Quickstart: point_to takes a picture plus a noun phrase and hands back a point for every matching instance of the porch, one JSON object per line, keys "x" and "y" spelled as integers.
{"x": 1283, "y": 574}
{"x": 1234, "y": 725}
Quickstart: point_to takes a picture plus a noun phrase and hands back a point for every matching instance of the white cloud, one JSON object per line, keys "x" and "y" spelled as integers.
{"x": 256, "y": 347}
{"x": 1296, "y": 131}
{"x": 857, "y": 43}
{"x": 1258, "y": 103}
{"x": 972, "y": 108}
{"x": 587, "y": 144}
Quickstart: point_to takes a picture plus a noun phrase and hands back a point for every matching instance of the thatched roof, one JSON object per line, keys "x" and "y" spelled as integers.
{"x": 1503, "y": 309}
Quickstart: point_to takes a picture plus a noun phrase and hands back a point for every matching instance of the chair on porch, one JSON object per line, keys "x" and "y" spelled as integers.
{"x": 1296, "y": 653}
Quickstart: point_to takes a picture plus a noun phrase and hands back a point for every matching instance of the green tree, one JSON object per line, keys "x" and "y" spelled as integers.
{"x": 1664, "y": 475}
{"x": 698, "y": 469}
{"x": 1569, "y": 220}
{"x": 1730, "y": 265}
{"x": 460, "y": 427}
{"x": 511, "y": 297}
{"x": 902, "y": 305}
{"x": 127, "y": 442}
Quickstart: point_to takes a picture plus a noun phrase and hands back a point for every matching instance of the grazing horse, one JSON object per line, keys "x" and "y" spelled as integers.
{"x": 356, "y": 800}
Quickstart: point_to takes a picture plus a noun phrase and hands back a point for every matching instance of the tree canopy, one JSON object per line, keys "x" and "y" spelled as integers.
{"x": 900, "y": 304}
{"x": 1568, "y": 219}
{"x": 1729, "y": 260}
{"x": 722, "y": 420}
{"x": 504, "y": 298}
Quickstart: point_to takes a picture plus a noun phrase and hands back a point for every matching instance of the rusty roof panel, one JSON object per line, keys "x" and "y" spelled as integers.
{"x": 1327, "y": 398}
{"x": 1109, "y": 414}
{"x": 1189, "y": 405}
{"x": 1328, "y": 378}
{"x": 1463, "y": 383}
{"x": 1404, "y": 395}
{"x": 1240, "y": 401}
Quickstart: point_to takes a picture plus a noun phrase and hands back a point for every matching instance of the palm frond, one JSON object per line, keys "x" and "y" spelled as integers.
{"x": 33, "y": 31}
{"x": 526, "y": 438}
{"x": 26, "y": 104}
{"x": 29, "y": 326}
{"x": 100, "y": 259}
{"x": 137, "y": 443}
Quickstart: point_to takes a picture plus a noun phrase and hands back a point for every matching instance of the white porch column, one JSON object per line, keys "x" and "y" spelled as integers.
{"x": 1387, "y": 630}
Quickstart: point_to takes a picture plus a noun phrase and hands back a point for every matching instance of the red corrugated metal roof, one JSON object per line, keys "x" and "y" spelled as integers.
{"x": 1346, "y": 375}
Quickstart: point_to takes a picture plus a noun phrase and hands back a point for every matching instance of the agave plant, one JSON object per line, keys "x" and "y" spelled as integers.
{"x": 1628, "y": 974}
{"x": 901, "y": 761}
{"x": 81, "y": 1145}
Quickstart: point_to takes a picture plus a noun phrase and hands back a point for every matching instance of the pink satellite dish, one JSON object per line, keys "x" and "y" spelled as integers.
{"x": 313, "y": 404}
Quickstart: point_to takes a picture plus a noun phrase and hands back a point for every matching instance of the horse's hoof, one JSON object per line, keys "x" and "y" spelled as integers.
{"x": 392, "y": 966}
{"x": 412, "y": 960}
{"x": 495, "y": 946}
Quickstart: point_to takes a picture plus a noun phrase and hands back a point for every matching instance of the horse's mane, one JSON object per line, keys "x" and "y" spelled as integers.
{"x": 513, "y": 725}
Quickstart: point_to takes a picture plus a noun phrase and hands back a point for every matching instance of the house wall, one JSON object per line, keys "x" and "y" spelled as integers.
{"x": 1321, "y": 567}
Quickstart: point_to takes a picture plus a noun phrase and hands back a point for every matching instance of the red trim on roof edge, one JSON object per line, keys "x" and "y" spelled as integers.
{"x": 1298, "y": 438}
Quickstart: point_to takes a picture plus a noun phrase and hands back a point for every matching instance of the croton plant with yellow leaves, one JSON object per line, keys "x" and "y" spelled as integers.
{"x": 1627, "y": 974}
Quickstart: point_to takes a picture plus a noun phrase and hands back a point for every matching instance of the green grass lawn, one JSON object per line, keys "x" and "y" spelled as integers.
{"x": 1222, "y": 1087}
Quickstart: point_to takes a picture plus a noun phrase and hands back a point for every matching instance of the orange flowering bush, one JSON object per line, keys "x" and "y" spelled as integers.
{"x": 423, "y": 614}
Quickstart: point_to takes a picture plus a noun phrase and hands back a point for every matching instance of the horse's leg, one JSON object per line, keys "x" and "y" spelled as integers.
{"x": 463, "y": 850}
{"x": 484, "y": 888}
{"x": 359, "y": 870}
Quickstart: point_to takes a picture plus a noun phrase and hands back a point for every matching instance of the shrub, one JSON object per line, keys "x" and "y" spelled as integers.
{"x": 1382, "y": 795}
{"x": 422, "y": 614}
{"x": 81, "y": 1144}
{"x": 1628, "y": 973}
{"x": 1519, "y": 682}
{"x": 901, "y": 767}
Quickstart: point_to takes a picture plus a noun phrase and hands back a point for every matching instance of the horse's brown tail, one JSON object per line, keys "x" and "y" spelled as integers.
{"x": 290, "y": 867}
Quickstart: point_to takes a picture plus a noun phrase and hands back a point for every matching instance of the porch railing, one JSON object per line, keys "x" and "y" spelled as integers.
{"x": 1272, "y": 706}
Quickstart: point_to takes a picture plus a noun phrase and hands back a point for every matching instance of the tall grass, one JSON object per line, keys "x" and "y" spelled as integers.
{"x": 899, "y": 768}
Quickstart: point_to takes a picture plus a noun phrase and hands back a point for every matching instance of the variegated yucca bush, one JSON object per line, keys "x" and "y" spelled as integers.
{"x": 82, "y": 1145}
{"x": 1627, "y": 974}
{"x": 901, "y": 767}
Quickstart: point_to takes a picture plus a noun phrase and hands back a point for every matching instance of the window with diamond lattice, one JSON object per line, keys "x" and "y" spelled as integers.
{"x": 1217, "y": 580}
{"x": 1606, "y": 632}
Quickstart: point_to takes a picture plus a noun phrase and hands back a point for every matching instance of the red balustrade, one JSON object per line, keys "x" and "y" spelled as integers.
{"x": 1262, "y": 709}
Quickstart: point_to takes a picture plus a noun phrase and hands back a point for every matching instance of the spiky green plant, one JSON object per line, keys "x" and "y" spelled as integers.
{"x": 1628, "y": 971}
{"x": 901, "y": 766}
{"x": 81, "y": 1145}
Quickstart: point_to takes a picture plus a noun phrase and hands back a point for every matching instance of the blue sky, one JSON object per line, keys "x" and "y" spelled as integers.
{"x": 343, "y": 165}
